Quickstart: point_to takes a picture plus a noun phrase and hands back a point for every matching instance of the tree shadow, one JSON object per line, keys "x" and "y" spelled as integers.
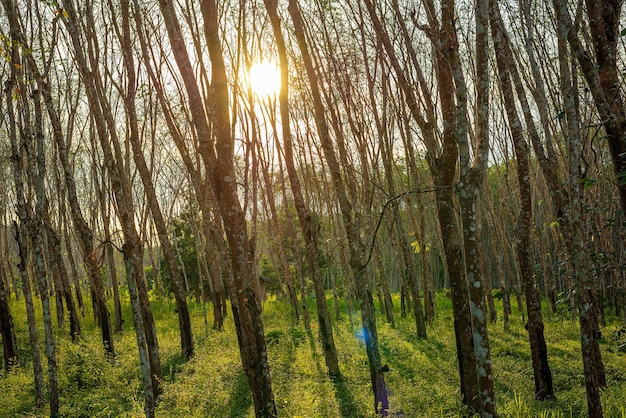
{"x": 240, "y": 397}
{"x": 347, "y": 405}
{"x": 173, "y": 366}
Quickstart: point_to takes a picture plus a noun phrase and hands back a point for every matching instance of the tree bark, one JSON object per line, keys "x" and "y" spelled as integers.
{"x": 184, "y": 321}
{"x": 356, "y": 248}
{"x": 9, "y": 343}
{"x": 592, "y": 361}
{"x": 132, "y": 247}
{"x": 57, "y": 263}
{"x": 309, "y": 232}
{"x": 442, "y": 160}
{"x": 218, "y": 159}
{"x": 23, "y": 210}
{"x": 541, "y": 369}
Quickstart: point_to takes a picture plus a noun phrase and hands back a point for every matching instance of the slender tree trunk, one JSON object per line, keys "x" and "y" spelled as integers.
{"x": 387, "y": 304}
{"x": 56, "y": 287}
{"x": 75, "y": 277}
{"x": 57, "y": 263}
{"x": 132, "y": 248}
{"x": 117, "y": 304}
{"x": 218, "y": 159}
{"x": 146, "y": 372}
{"x": 184, "y": 321}
{"x": 442, "y": 160}
{"x": 83, "y": 231}
{"x": 592, "y": 360}
{"x": 9, "y": 343}
{"x": 309, "y": 230}
{"x": 252, "y": 336}
{"x": 38, "y": 168}
{"x": 542, "y": 373}
{"x": 356, "y": 249}
{"x": 20, "y": 237}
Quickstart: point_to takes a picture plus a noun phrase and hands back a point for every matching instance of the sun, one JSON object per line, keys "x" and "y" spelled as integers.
{"x": 264, "y": 79}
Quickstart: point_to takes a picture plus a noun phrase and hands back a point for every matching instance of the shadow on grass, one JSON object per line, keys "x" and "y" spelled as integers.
{"x": 172, "y": 367}
{"x": 240, "y": 398}
{"x": 314, "y": 353}
{"x": 347, "y": 405}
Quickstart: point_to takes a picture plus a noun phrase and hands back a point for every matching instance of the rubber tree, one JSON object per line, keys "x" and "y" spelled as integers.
{"x": 216, "y": 148}
{"x": 309, "y": 232}
{"x": 349, "y": 216}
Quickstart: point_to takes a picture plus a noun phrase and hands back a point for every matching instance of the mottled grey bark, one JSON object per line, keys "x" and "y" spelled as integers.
{"x": 472, "y": 172}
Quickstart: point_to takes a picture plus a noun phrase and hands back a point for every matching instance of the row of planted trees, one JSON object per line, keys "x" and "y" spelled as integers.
{"x": 475, "y": 141}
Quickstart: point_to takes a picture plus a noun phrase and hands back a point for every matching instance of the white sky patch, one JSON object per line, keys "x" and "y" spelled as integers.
{"x": 264, "y": 78}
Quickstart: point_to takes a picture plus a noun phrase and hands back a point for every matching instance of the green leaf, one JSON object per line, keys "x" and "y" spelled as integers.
{"x": 587, "y": 182}
{"x": 623, "y": 32}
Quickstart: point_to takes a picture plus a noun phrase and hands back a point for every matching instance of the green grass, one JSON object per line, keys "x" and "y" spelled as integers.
{"x": 423, "y": 379}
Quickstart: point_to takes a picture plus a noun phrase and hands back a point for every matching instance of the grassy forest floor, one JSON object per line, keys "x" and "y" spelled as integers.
{"x": 423, "y": 377}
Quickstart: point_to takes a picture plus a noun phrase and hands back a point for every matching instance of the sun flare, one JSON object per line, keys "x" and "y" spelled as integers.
{"x": 264, "y": 79}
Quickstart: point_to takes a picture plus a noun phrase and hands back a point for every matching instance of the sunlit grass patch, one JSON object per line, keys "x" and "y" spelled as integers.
{"x": 422, "y": 380}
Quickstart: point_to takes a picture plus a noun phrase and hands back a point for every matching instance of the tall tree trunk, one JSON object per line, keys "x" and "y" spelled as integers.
{"x": 184, "y": 321}
{"x": 20, "y": 237}
{"x": 356, "y": 248}
{"x": 132, "y": 247}
{"x": 442, "y": 160}
{"x": 541, "y": 369}
{"x": 221, "y": 163}
{"x": 309, "y": 231}
{"x": 38, "y": 168}
{"x": 592, "y": 361}
{"x": 22, "y": 232}
{"x": 218, "y": 159}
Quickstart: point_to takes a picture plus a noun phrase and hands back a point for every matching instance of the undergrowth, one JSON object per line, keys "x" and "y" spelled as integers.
{"x": 422, "y": 380}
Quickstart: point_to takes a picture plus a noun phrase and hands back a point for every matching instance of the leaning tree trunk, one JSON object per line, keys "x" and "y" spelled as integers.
{"x": 539, "y": 351}
{"x": 306, "y": 223}
{"x": 21, "y": 236}
{"x": 132, "y": 247}
{"x": 245, "y": 280}
{"x": 356, "y": 248}
{"x": 184, "y": 321}
{"x": 38, "y": 169}
{"x": 218, "y": 157}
